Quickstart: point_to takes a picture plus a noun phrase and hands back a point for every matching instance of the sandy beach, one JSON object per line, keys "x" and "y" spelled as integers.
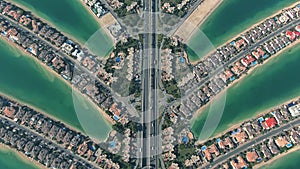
{"x": 194, "y": 21}
{"x": 238, "y": 35}
{"x": 49, "y": 70}
{"x": 104, "y": 21}
{"x": 22, "y": 156}
{"x": 234, "y": 126}
{"x": 296, "y": 148}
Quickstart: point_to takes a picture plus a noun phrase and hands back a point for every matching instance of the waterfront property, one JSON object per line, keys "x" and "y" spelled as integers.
{"x": 24, "y": 79}
{"x": 74, "y": 64}
{"x": 284, "y": 35}
{"x": 213, "y": 75}
{"x": 224, "y": 67}
{"x": 268, "y": 38}
{"x": 252, "y": 142}
{"x": 219, "y": 27}
{"x": 268, "y": 90}
{"x": 74, "y": 12}
{"x": 46, "y": 140}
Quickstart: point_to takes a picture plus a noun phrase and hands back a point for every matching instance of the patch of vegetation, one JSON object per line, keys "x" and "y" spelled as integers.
{"x": 108, "y": 67}
{"x": 167, "y": 122}
{"x": 135, "y": 87}
{"x": 122, "y": 11}
{"x": 168, "y": 45}
{"x": 179, "y": 12}
{"x": 122, "y": 47}
{"x": 172, "y": 88}
{"x": 183, "y": 152}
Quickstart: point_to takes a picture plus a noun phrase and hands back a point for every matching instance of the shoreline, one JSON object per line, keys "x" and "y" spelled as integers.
{"x": 204, "y": 19}
{"x": 37, "y": 14}
{"x": 22, "y": 157}
{"x": 187, "y": 29}
{"x": 294, "y": 149}
{"x": 239, "y": 34}
{"x": 52, "y": 72}
{"x": 254, "y": 117}
{"x": 99, "y": 21}
{"x": 80, "y": 41}
{"x": 242, "y": 77}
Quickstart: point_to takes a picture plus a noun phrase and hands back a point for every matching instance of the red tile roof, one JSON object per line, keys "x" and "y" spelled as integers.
{"x": 250, "y": 58}
{"x": 291, "y": 35}
{"x": 245, "y": 62}
{"x": 271, "y": 122}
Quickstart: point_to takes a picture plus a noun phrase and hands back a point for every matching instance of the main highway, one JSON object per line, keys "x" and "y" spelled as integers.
{"x": 150, "y": 79}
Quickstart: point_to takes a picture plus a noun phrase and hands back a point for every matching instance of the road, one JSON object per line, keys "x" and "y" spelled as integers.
{"x": 150, "y": 80}
{"x": 239, "y": 56}
{"x": 76, "y": 63}
{"x": 252, "y": 142}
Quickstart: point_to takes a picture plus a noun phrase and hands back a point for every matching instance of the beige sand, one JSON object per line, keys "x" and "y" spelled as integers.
{"x": 234, "y": 126}
{"x": 23, "y": 157}
{"x": 199, "y": 15}
{"x": 238, "y": 35}
{"x": 106, "y": 21}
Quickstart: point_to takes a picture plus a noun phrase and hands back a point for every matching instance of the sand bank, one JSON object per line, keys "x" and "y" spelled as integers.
{"x": 199, "y": 15}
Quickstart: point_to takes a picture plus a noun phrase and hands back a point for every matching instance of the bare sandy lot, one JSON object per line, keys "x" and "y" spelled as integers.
{"x": 106, "y": 21}
{"x": 199, "y": 15}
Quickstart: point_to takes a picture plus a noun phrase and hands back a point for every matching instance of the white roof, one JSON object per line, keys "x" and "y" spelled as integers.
{"x": 295, "y": 110}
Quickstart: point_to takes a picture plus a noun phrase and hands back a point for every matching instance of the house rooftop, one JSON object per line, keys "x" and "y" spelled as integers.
{"x": 281, "y": 142}
{"x": 295, "y": 110}
{"x": 9, "y": 111}
{"x": 238, "y": 163}
{"x": 251, "y": 156}
{"x": 270, "y": 122}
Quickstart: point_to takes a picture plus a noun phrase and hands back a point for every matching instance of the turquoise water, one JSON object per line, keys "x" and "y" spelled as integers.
{"x": 11, "y": 160}
{"x": 23, "y": 78}
{"x": 228, "y": 20}
{"x": 270, "y": 85}
{"x": 71, "y": 17}
{"x": 289, "y": 161}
